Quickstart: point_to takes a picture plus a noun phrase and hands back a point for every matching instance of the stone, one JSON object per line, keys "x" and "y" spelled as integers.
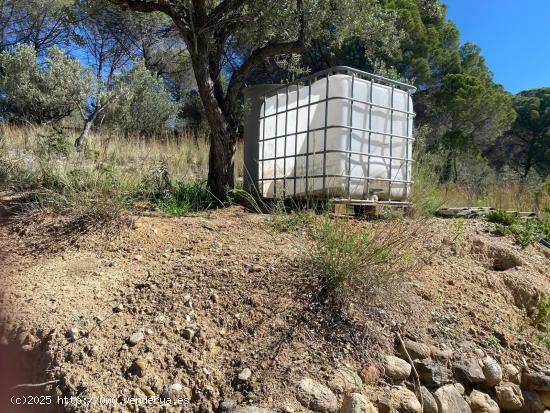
{"x": 533, "y": 403}
{"x": 175, "y": 388}
{"x": 135, "y": 338}
{"x": 138, "y": 367}
{"x": 469, "y": 369}
{"x": 147, "y": 391}
{"x": 535, "y": 381}
{"x": 396, "y": 369}
{"x": 404, "y": 401}
{"x": 370, "y": 375}
{"x": 73, "y": 334}
{"x": 460, "y": 388}
{"x": 441, "y": 355}
{"x": 482, "y": 403}
{"x": 492, "y": 371}
{"x": 188, "y": 333}
{"x": 316, "y": 396}
{"x": 416, "y": 350}
{"x": 119, "y": 308}
{"x": 449, "y": 400}
{"x": 545, "y": 397}
{"x": 245, "y": 374}
{"x": 511, "y": 373}
{"x": 430, "y": 405}
{"x": 509, "y": 396}
{"x": 226, "y": 406}
{"x": 252, "y": 409}
{"x": 345, "y": 380}
{"x": 432, "y": 373}
{"x": 357, "y": 403}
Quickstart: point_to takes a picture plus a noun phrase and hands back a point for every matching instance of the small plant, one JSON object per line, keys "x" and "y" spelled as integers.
{"x": 493, "y": 342}
{"x": 354, "y": 262}
{"x": 458, "y": 234}
{"x": 526, "y": 233}
{"x": 541, "y": 321}
{"x": 284, "y": 221}
{"x": 445, "y": 321}
{"x": 503, "y": 218}
{"x": 541, "y": 316}
{"x": 185, "y": 198}
{"x": 55, "y": 143}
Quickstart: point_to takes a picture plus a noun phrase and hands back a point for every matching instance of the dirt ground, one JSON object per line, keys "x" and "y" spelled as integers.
{"x": 213, "y": 295}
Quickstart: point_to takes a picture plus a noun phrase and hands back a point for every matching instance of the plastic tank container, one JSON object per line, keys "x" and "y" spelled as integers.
{"x": 340, "y": 133}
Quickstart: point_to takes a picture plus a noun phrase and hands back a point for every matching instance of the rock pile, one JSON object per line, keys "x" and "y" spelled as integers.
{"x": 467, "y": 383}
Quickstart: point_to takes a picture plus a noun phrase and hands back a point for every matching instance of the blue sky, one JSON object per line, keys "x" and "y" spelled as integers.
{"x": 514, "y": 36}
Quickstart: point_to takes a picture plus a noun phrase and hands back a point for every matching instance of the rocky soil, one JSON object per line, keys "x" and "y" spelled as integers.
{"x": 220, "y": 313}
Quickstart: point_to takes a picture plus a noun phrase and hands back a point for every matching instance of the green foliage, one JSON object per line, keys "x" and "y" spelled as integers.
{"x": 493, "y": 342}
{"x": 142, "y": 103}
{"x": 355, "y": 263}
{"x": 346, "y": 255}
{"x": 293, "y": 221}
{"x": 503, "y": 218}
{"x": 426, "y": 193}
{"x": 184, "y": 198}
{"x": 527, "y": 146}
{"x": 458, "y": 235}
{"x": 526, "y": 231}
{"x": 34, "y": 92}
{"x": 55, "y": 143}
{"x": 445, "y": 321}
{"x": 474, "y": 106}
{"x": 541, "y": 321}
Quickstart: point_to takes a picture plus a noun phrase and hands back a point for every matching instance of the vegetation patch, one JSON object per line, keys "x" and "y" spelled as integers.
{"x": 541, "y": 321}
{"x": 185, "y": 198}
{"x": 525, "y": 231}
{"x": 355, "y": 263}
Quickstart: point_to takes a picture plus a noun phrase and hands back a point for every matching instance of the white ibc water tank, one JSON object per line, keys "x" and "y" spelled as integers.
{"x": 355, "y": 144}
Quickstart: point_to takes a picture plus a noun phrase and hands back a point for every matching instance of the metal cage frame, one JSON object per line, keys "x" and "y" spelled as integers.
{"x": 307, "y": 81}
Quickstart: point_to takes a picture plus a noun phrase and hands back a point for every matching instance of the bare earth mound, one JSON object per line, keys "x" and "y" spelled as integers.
{"x": 220, "y": 307}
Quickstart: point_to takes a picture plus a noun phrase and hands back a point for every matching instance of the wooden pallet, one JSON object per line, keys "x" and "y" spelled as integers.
{"x": 472, "y": 212}
{"x": 366, "y": 209}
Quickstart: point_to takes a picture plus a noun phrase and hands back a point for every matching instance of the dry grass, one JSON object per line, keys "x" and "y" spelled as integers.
{"x": 503, "y": 195}
{"x": 110, "y": 177}
{"x": 133, "y": 167}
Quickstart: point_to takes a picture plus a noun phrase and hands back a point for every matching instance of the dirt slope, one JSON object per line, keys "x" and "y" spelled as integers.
{"x": 217, "y": 294}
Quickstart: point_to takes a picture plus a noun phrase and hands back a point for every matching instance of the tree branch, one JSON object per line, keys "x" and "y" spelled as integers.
{"x": 222, "y": 9}
{"x": 179, "y": 14}
{"x": 260, "y": 55}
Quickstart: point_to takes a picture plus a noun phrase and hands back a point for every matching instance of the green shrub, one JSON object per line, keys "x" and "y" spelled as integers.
{"x": 426, "y": 193}
{"x": 503, "y": 218}
{"x": 55, "y": 143}
{"x": 541, "y": 321}
{"x": 541, "y": 316}
{"x": 526, "y": 233}
{"x": 354, "y": 263}
{"x": 293, "y": 221}
{"x": 184, "y": 198}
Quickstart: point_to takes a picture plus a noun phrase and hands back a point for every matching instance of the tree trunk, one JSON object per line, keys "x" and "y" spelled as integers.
{"x": 88, "y": 123}
{"x": 221, "y": 165}
{"x": 222, "y": 142}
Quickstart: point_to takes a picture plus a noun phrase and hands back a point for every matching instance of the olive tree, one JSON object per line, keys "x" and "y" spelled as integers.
{"x": 41, "y": 93}
{"x": 234, "y": 37}
{"x": 143, "y": 104}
